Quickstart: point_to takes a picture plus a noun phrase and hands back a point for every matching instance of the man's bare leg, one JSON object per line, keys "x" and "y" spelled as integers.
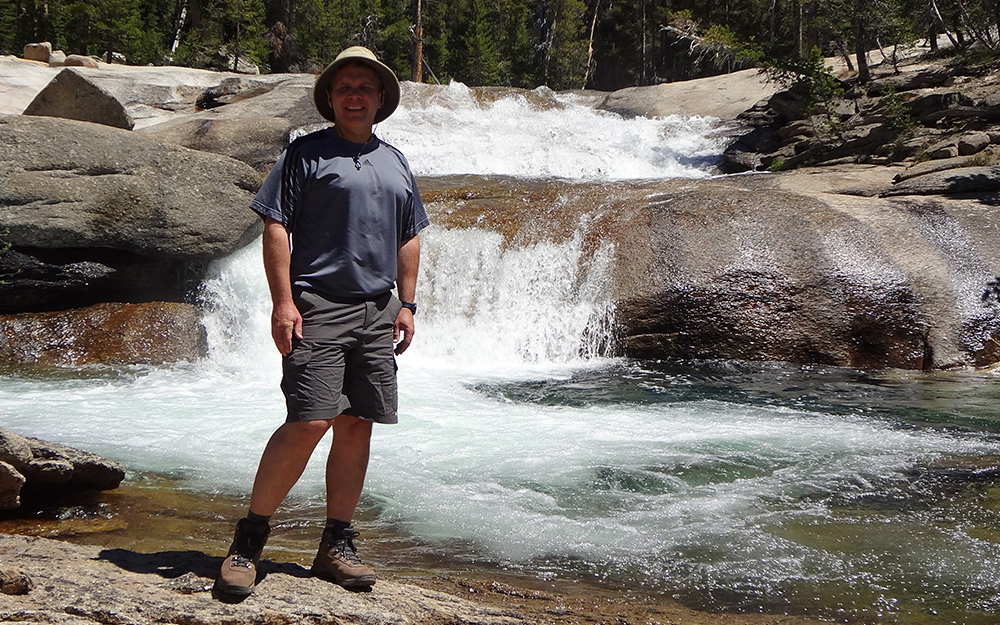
{"x": 347, "y": 466}
{"x": 285, "y": 457}
{"x": 283, "y": 461}
{"x": 337, "y": 560}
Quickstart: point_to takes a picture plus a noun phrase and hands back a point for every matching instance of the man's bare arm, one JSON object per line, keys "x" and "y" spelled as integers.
{"x": 285, "y": 317}
{"x": 407, "y": 264}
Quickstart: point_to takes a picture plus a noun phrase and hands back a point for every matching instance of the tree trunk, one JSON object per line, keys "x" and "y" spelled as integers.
{"x": 278, "y": 22}
{"x": 417, "y": 71}
{"x": 937, "y": 14}
{"x": 642, "y": 73}
{"x": 844, "y": 52}
{"x": 773, "y": 34}
{"x": 932, "y": 28}
{"x": 797, "y": 29}
{"x": 179, "y": 25}
{"x": 590, "y": 45}
{"x": 812, "y": 29}
{"x": 195, "y": 6}
{"x": 860, "y": 48}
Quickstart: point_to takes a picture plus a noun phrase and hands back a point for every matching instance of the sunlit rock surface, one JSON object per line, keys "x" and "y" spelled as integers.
{"x": 90, "y": 213}
{"x": 82, "y": 584}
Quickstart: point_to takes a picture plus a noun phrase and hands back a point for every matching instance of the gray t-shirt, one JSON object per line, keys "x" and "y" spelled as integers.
{"x": 349, "y": 208}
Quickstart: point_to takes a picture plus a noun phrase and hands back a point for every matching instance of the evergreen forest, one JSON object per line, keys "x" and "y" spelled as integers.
{"x": 564, "y": 44}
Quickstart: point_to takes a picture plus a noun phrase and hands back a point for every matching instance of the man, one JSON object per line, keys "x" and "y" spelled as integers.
{"x": 341, "y": 217}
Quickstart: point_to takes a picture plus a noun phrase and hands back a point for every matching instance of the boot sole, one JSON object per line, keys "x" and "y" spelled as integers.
{"x": 233, "y": 591}
{"x": 362, "y": 581}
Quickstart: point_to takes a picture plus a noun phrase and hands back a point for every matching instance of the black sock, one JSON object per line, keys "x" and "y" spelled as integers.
{"x": 337, "y": 526}
{"x": 258, "y": 522}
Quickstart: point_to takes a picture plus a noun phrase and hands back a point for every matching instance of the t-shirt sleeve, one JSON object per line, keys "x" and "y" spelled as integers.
{"x": 278, "y": 195}
{"x": 418, "y": 216}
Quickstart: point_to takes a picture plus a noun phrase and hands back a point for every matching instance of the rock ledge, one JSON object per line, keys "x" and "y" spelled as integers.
{"x": 74, "y": 585}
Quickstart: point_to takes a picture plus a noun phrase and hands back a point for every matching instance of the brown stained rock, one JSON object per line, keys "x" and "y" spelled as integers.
{"x": 38, "y": 51}
{"x": 108, "y": 334}
{"x": 79, "y": 60}
{"x": 14, "y": 582}
{"x": 809, "y": 266}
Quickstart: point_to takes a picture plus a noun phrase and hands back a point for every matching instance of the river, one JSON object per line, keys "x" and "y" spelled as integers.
{"x": 848, "y": 495}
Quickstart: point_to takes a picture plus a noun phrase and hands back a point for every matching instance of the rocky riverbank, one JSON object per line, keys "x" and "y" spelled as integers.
{"x": 148, "y": 553}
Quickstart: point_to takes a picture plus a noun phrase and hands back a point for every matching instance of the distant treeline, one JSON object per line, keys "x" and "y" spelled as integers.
{"x": 565, "y": 44}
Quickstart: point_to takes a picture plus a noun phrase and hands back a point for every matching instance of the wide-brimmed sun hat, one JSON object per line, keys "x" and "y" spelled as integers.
{"x": 355, "y": 54}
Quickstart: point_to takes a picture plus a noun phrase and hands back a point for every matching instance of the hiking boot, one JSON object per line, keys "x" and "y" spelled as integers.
{"x": 338, "y": 561}
{"x": 239, "y": 569}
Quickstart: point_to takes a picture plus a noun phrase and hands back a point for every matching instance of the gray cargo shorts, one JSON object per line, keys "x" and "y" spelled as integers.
{"x": 344, "y": 363}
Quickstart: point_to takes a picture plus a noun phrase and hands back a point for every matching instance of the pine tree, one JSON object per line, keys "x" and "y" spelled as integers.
{"x": 564, "y": 44}
{"x": 517, "y": 51}
{"x": 9, "y": 43}
{"x": 480, "y": 61}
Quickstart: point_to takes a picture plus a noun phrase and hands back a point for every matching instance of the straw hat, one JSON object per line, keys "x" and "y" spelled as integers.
{"x": 357, "y": 54}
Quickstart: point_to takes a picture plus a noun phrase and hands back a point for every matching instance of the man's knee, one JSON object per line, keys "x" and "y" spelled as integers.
{"x": 351, "y": 427}
{"x": 305, "y": 432}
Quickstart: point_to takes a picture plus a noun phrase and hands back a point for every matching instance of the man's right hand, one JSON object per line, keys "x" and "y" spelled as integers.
{"x": 285, "y": 323}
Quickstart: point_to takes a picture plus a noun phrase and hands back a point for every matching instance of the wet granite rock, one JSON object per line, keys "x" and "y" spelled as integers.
{"x": 52, "y": 465}
{"x": 113, "y": 334}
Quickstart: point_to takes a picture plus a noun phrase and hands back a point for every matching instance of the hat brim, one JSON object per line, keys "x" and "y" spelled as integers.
{"x": 390, "y": 84}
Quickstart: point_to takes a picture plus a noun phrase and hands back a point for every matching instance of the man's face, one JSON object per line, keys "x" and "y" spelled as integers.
{"x": 356, "y": 95}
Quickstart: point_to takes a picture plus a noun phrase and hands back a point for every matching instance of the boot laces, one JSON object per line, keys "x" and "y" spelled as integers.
{"x": 239, "y": 560}
{"x": 344, "y": 546}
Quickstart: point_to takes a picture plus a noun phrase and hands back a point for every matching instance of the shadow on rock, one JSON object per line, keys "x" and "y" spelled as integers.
{"x": 174, "y": 564}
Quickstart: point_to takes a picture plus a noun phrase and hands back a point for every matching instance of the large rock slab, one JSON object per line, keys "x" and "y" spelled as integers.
{"x": 955, "y": 181}
{"x": 92, "y": 208}
{"x": 71, "y": 95}
{"x": 777, "y": 268}
{"x": 106, "y": 334}
{"x": 724, "y": 97}
{"x": 149, "y": 94}
{"x": 253, "y": 128}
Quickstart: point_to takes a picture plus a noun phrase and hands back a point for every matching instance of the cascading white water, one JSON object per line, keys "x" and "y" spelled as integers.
{"x": 754, "y": 487}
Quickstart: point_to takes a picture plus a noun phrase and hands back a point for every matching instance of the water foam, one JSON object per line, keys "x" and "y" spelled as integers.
{"x": 456, "y": 130}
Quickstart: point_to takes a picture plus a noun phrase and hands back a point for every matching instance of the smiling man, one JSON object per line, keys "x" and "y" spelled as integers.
{"x": 341, "y": 217}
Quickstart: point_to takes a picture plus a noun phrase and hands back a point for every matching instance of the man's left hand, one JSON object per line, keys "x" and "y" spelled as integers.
{"x": 402, "y": 330}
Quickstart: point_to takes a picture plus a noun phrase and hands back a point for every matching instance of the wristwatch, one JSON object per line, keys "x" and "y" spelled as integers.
{"x": 410, "y": 305}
